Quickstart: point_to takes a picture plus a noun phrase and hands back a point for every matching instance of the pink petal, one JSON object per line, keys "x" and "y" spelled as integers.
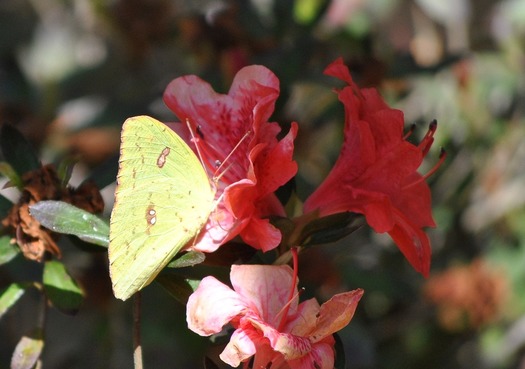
{"x": 233, "y": 130}
{"x": 255, "y": 74}
{"x": 212, "y": 306}
{"x": 266, "y": 288}
{"x": 219, "y": 229}
{"x": 304, "y": 320}
{"x": 291, "y": 346}
{"x": 335, "y": 314}
{"x": 240, "y": 348}
{"x": 267, "y": 357}
{"x": 321, "y": 357}
{"x": 222, "y": 119}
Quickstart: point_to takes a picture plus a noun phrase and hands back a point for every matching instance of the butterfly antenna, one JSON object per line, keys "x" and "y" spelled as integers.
{"x": 195, "y": 141}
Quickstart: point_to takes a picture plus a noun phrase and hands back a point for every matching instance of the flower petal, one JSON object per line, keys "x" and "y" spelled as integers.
{"x": 276, "y": 166}
{"x": 222, "y": 120}
{"x": 220, "y": 228}
{"x": 239, "y": 148}
{"x": 335, "y": 314}
{"x": 376, "y": 172}
{"x": 321, "y": 357}
{"x": 413, "y": 243}
{"x": 240, "y": 348}
{"x": 266, "y": 357}
{"x": 212, "y": 306}
{"x": 302, "y": 323}
{"x": 261, "y": 234}
{"x": 266, "y": 288}
{"x": 291, "y": 346}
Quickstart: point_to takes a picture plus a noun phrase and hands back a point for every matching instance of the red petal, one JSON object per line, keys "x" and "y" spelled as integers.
{"x": 376, "y": 172}
{"x": 413, "y": 243}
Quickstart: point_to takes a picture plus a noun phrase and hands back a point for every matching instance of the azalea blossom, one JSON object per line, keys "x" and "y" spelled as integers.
{"x": 376, "y": 172}
{"x": 270, "y": 324}
{"x": 239, "y": 148}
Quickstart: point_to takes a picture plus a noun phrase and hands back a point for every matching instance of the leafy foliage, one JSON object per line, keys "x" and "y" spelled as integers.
{"x": 62, "y": 217}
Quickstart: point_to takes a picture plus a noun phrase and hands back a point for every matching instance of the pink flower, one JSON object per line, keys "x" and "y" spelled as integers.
{"x": 239, "y": 147}
{"x": 376, "y": 172}
{"x": 268, "y": 320}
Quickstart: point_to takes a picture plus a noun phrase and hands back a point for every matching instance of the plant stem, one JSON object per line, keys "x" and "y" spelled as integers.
{"x": 137, "y": 347}
{"x": 41, "y": 322}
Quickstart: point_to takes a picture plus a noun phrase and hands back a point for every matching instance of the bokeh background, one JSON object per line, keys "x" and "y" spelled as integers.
{"x": 71, "y": 72}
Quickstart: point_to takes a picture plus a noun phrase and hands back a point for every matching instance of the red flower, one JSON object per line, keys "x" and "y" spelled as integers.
{"x": 239, "y": 148}
{"x": 376, "y": 172}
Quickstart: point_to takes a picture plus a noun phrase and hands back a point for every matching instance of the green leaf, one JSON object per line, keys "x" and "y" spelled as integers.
{"x": 7, "y": 171}
{"x": 177, "y": 286}
{"x": 65, "y": 169}
{"x": 11, "y": 295}
{"x": 17, "y": 151}
{"x": 62, "y": 217}
{"x": 8, "y": 251}
{"x": 331, "y": 228}
{"x": 188, "y": 259}
{"x": 62, "y": 290}
{"x": 28, "y": 350}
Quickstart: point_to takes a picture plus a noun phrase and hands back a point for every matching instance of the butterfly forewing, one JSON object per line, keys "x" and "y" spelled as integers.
{"x": 162, "y": 201}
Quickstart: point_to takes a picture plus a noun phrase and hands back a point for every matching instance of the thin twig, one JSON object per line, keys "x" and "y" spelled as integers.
{"x": 137, "y": 347}
{"x": 41, "y": 322}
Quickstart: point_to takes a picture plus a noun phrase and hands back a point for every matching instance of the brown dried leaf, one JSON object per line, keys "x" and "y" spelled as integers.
{"x": 43, "y": 184}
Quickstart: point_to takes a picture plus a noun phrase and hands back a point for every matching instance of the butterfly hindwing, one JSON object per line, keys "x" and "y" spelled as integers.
{"x": 162, "y": 201}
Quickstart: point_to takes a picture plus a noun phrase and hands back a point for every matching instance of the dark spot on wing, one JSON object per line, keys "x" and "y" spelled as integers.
{"x": 161, "y": 160}
{"x": 151, "y": 218}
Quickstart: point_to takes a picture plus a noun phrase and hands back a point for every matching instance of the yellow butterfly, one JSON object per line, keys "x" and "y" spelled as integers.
{"x": 162, "y": 201}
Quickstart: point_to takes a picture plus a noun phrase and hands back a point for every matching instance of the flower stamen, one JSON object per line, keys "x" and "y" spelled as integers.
{"x": 442, "y": 157}
{"x": 427, "y": 141}
{"x": 293, "y": 294}
{"x": 410, "y": 131}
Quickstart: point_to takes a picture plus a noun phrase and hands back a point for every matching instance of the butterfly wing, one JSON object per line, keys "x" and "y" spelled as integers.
{"x": 162, "y": 201}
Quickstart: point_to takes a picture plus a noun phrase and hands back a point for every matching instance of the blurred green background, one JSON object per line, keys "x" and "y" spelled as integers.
{"x": 71, "y": 72}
